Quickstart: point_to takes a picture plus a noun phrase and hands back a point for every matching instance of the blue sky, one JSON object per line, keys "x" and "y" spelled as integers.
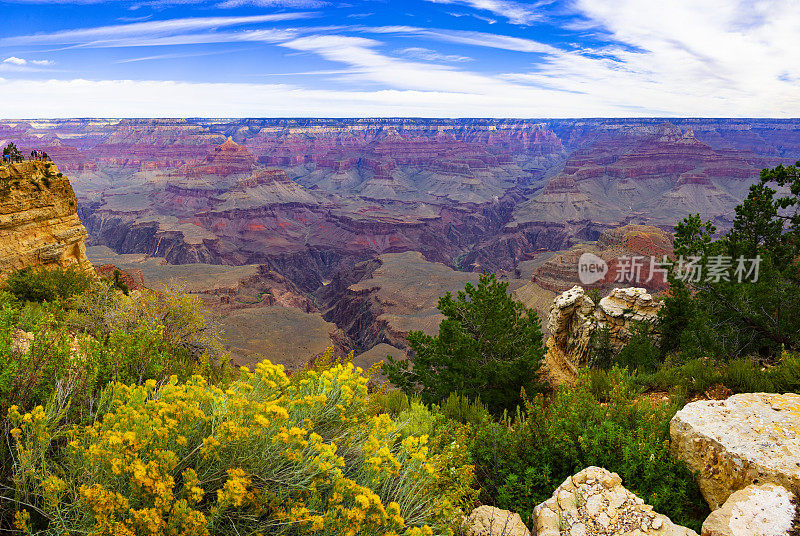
{"x": 430, "y": 58}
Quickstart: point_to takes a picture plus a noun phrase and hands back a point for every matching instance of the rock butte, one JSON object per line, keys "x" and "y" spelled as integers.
{"x": 750, "y": 438}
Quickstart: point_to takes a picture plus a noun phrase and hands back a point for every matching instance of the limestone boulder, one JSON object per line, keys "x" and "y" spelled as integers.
{"x": 594, "y": 503}
{"x": 757, "y": 510}
{"x": 491, "y": 521}
{"x": 749, "y": 438}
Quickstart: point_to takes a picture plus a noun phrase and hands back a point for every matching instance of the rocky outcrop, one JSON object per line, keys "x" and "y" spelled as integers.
{"x": 132, "y": 278}
{"x": 750, "y": 438}
{"x": 574, "y": 317}
{"x": 39, "y": 224}
{"x": 757, "y": 510}
{"x": 490, "y": 521}
{"x": 594, "y": 503}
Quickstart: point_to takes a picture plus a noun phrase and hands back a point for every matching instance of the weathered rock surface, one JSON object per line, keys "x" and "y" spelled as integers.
{"x": 627, "y": 251}
{"x": 594, "y": 503}
{"x": 491, "y": 521}
{"x": 39, "y": 224}
{"x": 750, "y": 438}
{"x": 574, "y": 317}
{"x": 757, "y": 510}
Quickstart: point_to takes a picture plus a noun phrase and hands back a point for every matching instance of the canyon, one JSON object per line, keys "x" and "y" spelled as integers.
{"x": 320, "y": 226}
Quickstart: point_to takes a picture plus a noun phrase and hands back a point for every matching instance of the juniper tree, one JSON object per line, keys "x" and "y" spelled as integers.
{"x": 489, "y": 346}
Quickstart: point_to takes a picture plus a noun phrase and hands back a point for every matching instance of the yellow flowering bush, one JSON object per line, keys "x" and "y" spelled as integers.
{"x": 268, "y": 455}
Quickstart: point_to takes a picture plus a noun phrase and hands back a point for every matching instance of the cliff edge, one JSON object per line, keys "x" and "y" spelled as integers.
{"x": 39, "y": 224}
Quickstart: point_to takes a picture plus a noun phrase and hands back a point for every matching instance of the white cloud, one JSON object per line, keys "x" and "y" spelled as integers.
{"x": 291, "y": 4}
{"x": 126, "y": 98}
{"x": 462, "y": 37}
{"x": 150, "y": 29}
{"x": 426, "y": 54}
{"x": 516, "y": 12}
{"x": 14, "y": 63}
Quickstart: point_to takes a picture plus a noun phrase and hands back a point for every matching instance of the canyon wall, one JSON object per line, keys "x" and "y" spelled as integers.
{"x": 39, "y": 224}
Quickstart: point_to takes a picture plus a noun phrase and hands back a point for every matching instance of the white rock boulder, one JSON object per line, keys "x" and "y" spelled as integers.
{"x": 594, "y": 503}
{"x": 757, "y": 510}
{"x": 750, "y": 438}
{"x": 491, "y": 521}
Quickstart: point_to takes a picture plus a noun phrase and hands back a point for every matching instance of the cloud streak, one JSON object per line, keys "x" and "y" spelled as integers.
{"x": 150, "y": 29}
{"x": 515, "y": 12}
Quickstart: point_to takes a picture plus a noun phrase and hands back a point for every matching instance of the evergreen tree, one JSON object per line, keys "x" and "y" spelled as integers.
{"x": 489, "y": 346}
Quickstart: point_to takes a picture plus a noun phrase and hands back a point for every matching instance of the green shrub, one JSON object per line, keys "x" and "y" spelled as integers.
{"x": 640, "y": 354}
{"x": 48, "y": 284}
{"x": 464, "y": 410}
{"x": 389, "y": 401}
{"x": 601, "y": 354}
{"x": 785, "y": 378}
{"x": 745, "y": 376}
{"x": 520, "y": 461}
{"x": 691, "y": 378}
{"x": 489, "y": 346}
{"x": 416, "y": 420}
{"x": 270, "y": 454}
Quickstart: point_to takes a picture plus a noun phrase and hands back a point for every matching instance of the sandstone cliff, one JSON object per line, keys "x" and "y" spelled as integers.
{"x": 39, "y": 224}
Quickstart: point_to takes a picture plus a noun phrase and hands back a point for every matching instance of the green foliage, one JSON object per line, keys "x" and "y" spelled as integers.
{"x": 488, "y": 346}
{"x": 601, "y": 354}
{"x": 640, "y": 354}
{"x": 742, "y": 375}
{"x": 462, "y": 409}
{"x": 118, "y": 283}
{"x": 733, "y": 319}
{"x": 391, "y": 401}
{"x": 11, "y": 150}
{"x": 416, "y": 420}
{"x": 520, "y": 461}
{"x": 48, "y": 284}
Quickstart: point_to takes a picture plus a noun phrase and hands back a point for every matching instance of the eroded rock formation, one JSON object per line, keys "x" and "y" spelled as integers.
{"x": 594, "y": 503}
{"x": 618, "y": 248}
{"x": 39, "y": 224}
{"x": 574, "y": 317}
{"x": 750, "y": 438}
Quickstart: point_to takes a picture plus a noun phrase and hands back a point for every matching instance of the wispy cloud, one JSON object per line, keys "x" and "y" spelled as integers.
{"x": 462, "y": 37}
{"x": 143, "y": 30}
{"x": 291, "y": 4}
{"x": 157, "y": 57}
{"x": 487, "y": 20}
{"x": 15, "y": 64}
{"x": 520, "y": 13}
{"x": 426, "y": 54}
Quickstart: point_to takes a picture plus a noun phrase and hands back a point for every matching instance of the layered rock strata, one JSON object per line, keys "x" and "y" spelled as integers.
{"x": 39, "y": 224}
